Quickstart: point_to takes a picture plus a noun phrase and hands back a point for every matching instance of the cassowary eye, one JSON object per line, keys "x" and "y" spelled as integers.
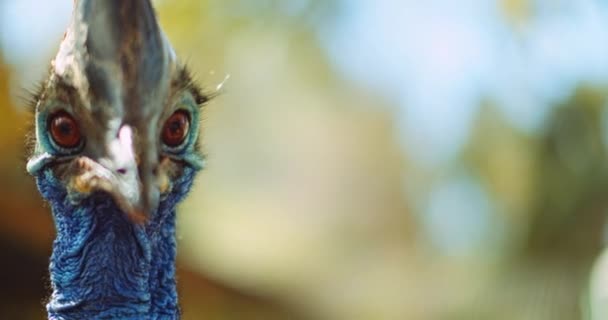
{"x": 176, "y": 128}
{"x": 64, "y": 130}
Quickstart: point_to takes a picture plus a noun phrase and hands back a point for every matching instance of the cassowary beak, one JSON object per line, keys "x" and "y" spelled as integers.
{"x": 121, "y": 68}
{"x": 120, "y": 175}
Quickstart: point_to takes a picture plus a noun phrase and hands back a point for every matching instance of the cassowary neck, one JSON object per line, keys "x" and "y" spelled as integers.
{"x": 103, "y": 265}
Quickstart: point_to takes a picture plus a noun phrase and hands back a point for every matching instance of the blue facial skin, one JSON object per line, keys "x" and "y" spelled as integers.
{"x": 104, "y": 266}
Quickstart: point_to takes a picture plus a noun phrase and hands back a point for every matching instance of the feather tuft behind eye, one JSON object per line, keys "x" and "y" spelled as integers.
{"x": 176, "y": 129}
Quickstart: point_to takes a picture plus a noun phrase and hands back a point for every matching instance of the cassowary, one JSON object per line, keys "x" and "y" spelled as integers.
{"x": 115, "y": 150}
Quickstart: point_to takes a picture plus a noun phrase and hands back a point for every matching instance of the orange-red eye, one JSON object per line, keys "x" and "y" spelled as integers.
{"x": 176, "y": 128}
{"x": 64, "y": 130}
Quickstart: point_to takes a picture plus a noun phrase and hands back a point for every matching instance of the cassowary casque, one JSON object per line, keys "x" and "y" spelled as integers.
{"x": 116, "y": 148}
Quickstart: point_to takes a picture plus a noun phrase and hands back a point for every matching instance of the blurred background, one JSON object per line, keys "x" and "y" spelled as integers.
{"x": 366, "y": 159}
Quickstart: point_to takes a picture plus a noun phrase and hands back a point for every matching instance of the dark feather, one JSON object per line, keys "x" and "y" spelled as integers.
{"x": 186, "y": 80}
{"x": 30, "y": 98}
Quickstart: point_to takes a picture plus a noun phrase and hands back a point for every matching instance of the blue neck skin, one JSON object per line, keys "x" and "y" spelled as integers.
{"x": 105, "y": 267}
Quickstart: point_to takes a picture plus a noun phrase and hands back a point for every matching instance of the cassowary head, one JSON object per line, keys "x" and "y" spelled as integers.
{"x": 115, "y": 151}
{"x": 119, "y": 114}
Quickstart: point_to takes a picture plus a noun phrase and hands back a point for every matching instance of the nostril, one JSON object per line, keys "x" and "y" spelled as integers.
{"x": 122, "y": 171}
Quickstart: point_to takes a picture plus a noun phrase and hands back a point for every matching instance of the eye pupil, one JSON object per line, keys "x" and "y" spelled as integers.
{"x": 176, "y": 129}
{"x": 64, "y": 130}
